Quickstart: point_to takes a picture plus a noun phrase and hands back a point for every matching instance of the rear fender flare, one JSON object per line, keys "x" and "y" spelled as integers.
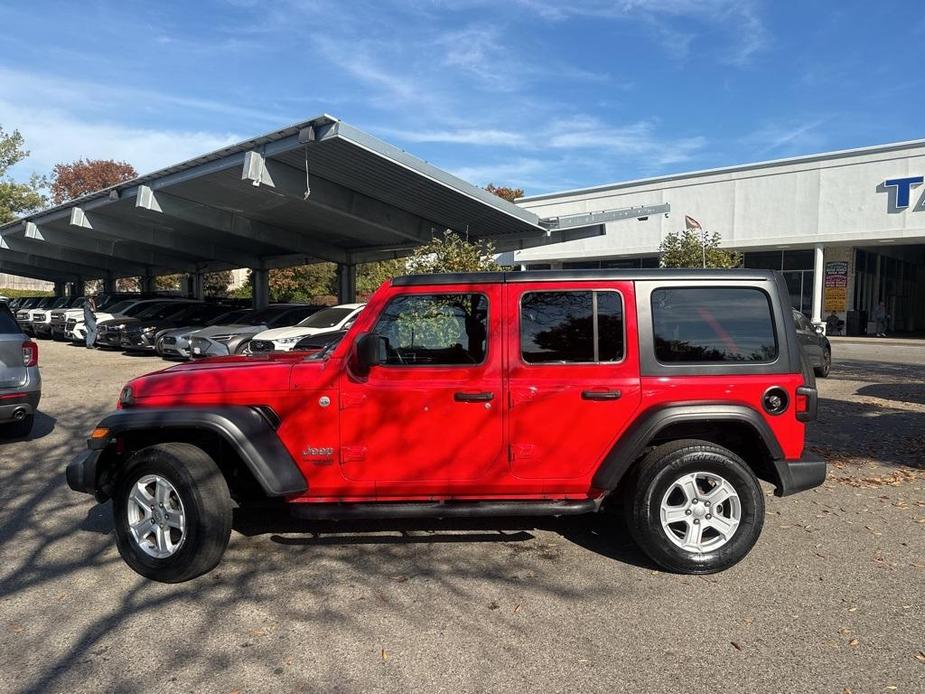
{"x": 648, "y": 425}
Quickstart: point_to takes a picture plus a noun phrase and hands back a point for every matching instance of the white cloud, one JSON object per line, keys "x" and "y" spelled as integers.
{"x": 53, "y": 137}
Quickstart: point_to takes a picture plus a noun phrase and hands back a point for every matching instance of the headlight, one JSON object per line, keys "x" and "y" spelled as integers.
{"x": 289, "y": 340}
{"x": 149, "y": 330}
{"x": 221, "y": 338}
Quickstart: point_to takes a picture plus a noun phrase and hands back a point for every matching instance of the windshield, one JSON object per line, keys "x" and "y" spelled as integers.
{"x": 168, "y": 310}
{"x": 264, "y": 315}
{"x": 78, "y": 302}
{"x": 231, "y": 317}
{"x": 326, "y": 318}
{"x": 143, "y": 310}
{"x": 120, "y": 306}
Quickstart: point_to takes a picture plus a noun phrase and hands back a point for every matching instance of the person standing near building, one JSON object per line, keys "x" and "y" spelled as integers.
{"x": 881, "y": 317}
{"x": 90, "y": 321}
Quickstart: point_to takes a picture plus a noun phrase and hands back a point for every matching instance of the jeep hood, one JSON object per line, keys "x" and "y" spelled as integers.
{"x": 219, "y": 376}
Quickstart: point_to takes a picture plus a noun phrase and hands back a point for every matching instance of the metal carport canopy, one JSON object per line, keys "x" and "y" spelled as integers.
{"x": 321, "y": 190}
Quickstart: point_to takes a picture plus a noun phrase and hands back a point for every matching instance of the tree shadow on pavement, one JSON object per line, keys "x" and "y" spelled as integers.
{"x": 855, "y": 430}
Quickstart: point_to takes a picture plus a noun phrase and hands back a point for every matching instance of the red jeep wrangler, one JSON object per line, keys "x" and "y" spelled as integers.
{"x": 667, "y": 393}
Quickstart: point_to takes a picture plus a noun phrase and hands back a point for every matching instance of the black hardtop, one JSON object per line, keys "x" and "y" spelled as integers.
{"x": 657, "y": 274}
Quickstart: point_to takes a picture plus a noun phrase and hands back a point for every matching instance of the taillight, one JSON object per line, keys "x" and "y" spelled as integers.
{"x": 30, "y": 353}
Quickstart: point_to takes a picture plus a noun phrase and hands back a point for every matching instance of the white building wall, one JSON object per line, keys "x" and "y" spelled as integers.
{"x": 835, "y": 199}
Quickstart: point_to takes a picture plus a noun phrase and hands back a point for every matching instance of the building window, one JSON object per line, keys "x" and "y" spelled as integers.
{"x": 797, "y": 268}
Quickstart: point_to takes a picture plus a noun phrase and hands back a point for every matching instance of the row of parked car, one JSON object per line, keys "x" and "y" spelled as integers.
{"x": 180, "y": 328}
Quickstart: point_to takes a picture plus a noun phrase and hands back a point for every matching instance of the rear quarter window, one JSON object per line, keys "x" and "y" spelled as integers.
{"x": 8, "y": 324}
{"x": 697, "y": 325}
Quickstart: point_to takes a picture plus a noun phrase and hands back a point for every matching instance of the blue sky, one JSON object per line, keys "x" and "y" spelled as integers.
{"x": 533, "y": 93}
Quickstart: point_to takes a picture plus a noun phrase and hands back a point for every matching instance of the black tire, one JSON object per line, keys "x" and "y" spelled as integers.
{"x": 17, "y": 430}
{"x": 658, "y": 471}
{"x": 206, "y": 502}
{"x": 240, "y": 348}
{"x": 823, "y": 370}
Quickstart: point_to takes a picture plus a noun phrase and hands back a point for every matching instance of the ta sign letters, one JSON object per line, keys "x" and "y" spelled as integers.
{"x": 900, "y": 192}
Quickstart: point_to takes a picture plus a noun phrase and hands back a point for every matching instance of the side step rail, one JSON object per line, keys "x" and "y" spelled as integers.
{"x": 443, "y": 509}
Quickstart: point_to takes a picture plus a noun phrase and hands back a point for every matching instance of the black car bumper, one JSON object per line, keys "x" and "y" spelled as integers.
{"x": 799, "y": 475}
{"x": 81, "y": 472}
{"x": 41, "y": 329}
{"x": 136, "y": 343}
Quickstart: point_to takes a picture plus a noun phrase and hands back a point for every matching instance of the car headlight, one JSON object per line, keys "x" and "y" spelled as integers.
{"x": 150, "y": 330}
{"x": 222, "y": 338}
{"x": 289, "y": 340}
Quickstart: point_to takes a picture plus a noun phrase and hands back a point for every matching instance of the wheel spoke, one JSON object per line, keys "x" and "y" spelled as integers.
{"x": 674, "y": 514}
{"x": 141, "y": 529}
{"x": 692, "y": 538}
{"x": 163, "y": 540}
{"x": 689, "y": 487}
{"x": 162, "y": 492}
{"x": 723, "y": 526}
{"x": 141, "y": 497}
{"x": 174, "y": 520}
{"x": 718, "y": 494}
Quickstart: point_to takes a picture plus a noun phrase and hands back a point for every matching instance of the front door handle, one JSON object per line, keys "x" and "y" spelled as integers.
{"x": 473, "y": 397}
{"x": 600, "y": 394}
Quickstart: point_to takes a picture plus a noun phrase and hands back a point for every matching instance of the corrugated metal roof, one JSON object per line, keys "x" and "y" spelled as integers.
{"x": 404, "y": 192}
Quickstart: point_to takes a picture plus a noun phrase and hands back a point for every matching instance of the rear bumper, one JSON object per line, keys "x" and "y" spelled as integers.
{"x": 799, "y": 475}
{"x": 14, "y": 407}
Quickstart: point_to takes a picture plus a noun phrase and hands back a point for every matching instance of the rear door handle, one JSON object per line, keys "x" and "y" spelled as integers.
{"x": 600, "y": 394}
{"x": 473, "y": 397}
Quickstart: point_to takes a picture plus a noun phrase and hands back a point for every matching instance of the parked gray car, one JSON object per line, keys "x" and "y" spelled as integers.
{"x": 20, "y": 381}
{"x": 175, "y": 343}
{"x": 222, "y": 340}
{"x": 814, "y": 343}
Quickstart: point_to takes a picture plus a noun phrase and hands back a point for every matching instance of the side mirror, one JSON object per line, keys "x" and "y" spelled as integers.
{"x": 819, "y": 330}
{"x": 368, "y": 352}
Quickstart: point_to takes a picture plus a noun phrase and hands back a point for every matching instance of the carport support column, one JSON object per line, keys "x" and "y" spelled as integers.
{"x": 346, "y": 283}
{"x": 261, "y": 288}
{"x": 79, "y": 289}
{"x": 196, "y": 285}
{"x": 818, "y": 272}
{"x": 109, "y": 285}
{"x": 147, "y": 284}
{"x": 59, "y": 288}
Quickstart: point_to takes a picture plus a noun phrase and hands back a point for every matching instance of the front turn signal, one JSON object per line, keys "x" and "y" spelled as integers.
{"x": 99, "y": 433}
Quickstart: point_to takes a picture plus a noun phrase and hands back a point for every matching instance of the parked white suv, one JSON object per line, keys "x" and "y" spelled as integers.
{"x": 325, "y": 320}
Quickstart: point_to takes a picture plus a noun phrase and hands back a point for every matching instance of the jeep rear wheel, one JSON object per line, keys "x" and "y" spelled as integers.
{"x": 695, "y": 507}
{"x": 172, "y": 512}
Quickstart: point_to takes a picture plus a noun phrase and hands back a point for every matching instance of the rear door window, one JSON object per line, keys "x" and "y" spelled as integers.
{"x": 713, "y": 324}
{"x": 584, "y": 327}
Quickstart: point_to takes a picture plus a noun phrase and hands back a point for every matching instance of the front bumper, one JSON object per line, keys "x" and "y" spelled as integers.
{"x": 81, "y": 472}
{"x": 136, "y": 342}
{"x": 41, "y": 329}
{"x": 202, "y": 347}
{"x": 109, "y": 338}
{"x": 799, "y": 475}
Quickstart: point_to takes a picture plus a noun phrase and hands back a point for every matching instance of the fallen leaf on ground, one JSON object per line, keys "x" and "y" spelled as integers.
{"x": 736, "y": 646}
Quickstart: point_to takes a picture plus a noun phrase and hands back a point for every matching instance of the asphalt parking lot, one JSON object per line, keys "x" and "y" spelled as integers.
{"x": 830, "y": 600}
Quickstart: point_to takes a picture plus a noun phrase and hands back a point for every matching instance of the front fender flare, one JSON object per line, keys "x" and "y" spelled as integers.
{"x": 244, "y": 428}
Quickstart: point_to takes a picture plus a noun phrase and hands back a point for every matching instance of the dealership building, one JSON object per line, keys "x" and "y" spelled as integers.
{"x": 847, "y": 228}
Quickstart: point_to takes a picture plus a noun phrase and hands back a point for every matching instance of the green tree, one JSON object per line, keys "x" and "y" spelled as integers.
{"x": 216, "y": 284}
{"x": 687, "y": 249}
{"x": 17, "y": 199}
{"x": 447, "y": 253}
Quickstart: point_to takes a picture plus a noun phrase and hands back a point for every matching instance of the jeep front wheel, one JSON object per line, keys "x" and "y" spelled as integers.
{"x": 696, "y": 508}
{"x": 172, "y": 512}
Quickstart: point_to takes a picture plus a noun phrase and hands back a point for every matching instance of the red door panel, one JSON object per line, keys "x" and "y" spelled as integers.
{"x": 564, "y": 416}
{"x": 413, "y": 427}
